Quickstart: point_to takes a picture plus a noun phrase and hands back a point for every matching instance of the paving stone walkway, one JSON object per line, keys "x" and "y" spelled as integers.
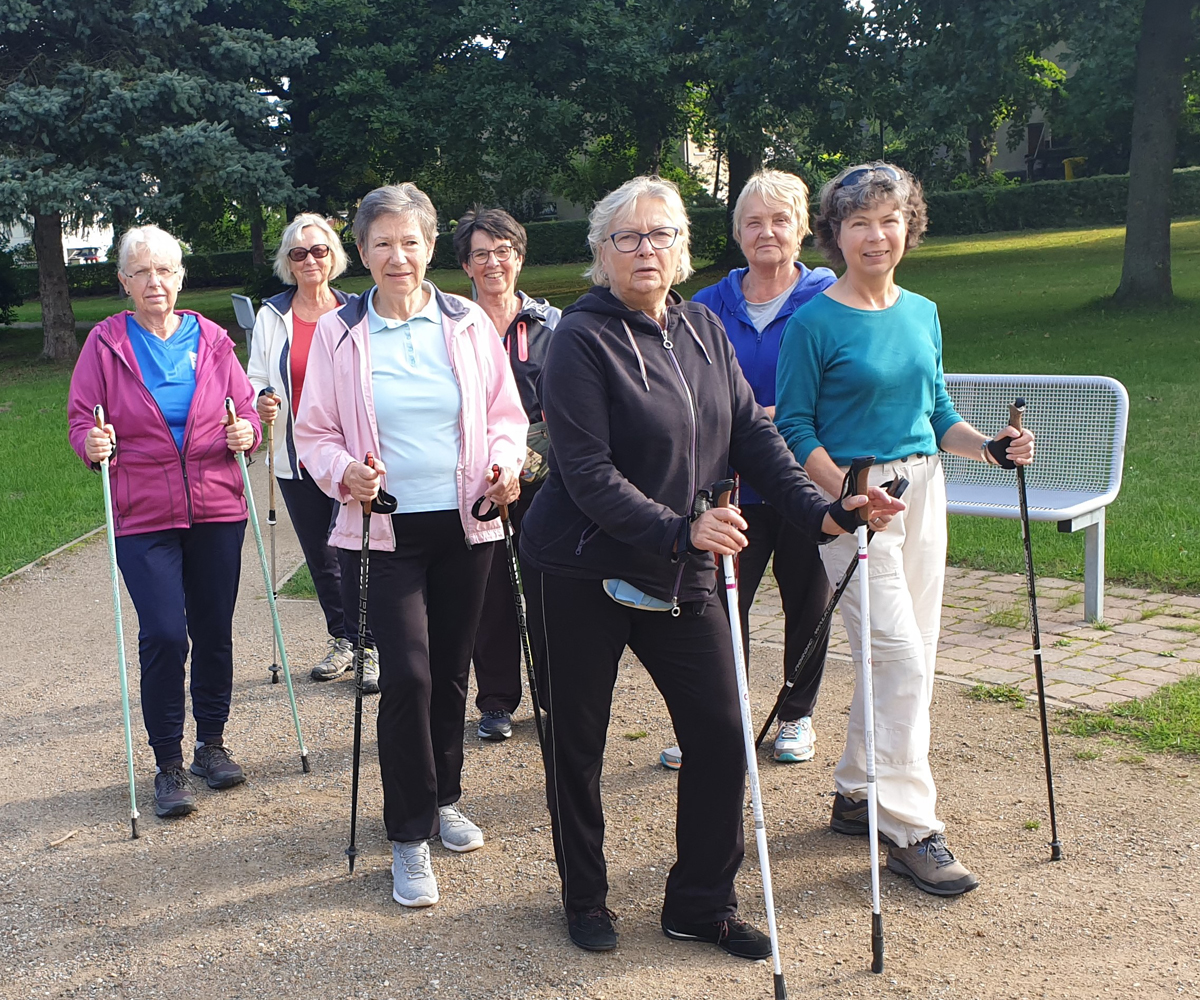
{"x": 1147, "y": 639}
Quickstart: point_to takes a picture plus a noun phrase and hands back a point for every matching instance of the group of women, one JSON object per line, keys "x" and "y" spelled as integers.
{"x": 777, "y": 372}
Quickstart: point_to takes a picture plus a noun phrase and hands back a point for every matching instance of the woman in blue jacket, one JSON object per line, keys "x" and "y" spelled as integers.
{"x": 770, "y": 220}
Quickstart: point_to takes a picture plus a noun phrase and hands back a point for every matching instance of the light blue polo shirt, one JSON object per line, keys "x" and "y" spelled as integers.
{"x": 417, "y": 407}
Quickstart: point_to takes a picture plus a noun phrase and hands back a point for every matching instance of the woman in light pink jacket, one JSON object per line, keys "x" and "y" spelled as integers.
{"x": 419, "y": 380}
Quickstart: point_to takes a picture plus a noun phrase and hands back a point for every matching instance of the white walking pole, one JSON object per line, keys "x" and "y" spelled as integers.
{"x": 868, "y": 700}
{"x": 721, "y": 493}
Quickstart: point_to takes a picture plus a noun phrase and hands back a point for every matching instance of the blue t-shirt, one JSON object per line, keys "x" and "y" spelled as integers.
{"x": 168, "y": 368}
{"x": 863, "y": 381}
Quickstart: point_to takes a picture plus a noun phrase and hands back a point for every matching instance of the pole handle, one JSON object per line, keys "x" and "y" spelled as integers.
{"x": 722, "y": 492}
{"x": 856, "y": 480}
{"x": 230, "y": 412}
{"x": 1016, "y": 411}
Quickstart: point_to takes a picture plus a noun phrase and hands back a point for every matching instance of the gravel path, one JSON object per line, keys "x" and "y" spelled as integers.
{"x": 249, "y": 897}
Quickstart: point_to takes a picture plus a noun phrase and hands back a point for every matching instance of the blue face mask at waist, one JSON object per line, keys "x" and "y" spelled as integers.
{"x": 631, "y": 597}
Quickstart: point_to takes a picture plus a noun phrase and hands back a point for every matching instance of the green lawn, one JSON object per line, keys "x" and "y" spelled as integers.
{"x": 1028, "y": 302}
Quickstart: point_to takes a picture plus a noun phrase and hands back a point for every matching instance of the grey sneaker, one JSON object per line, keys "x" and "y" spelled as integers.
{"x": 795, "y": 741}
{"x": 458, "y": 833}
{"x": 671, "y": 758}
{"x": 932, "y": 867}
{"x": 413, "y": 883}
{"x": 371, "y": 671}
{"x": 338, "y": 659}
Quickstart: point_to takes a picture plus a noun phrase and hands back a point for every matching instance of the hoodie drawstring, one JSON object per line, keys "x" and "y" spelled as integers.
{"x": 641, "y": 363}
{"x": 695, "y": 336}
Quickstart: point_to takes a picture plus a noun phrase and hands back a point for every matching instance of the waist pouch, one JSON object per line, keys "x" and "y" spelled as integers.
{"x": 631, "y": 597}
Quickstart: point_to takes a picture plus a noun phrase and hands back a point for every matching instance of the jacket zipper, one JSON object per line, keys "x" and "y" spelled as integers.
{"x": 669, "y": 347}
{"x": 587, "y": 535}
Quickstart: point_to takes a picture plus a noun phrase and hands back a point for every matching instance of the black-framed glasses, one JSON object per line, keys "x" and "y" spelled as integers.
{"x": 863, "y": 174}
{"x": 501, "y": 253}
{"x": 628, "y": 240}
{"x": 320, "y": 252}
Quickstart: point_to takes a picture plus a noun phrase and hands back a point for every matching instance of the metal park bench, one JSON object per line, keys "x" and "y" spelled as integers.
{"x": 1079, "y": 422}
{"x": 243, "y": 312}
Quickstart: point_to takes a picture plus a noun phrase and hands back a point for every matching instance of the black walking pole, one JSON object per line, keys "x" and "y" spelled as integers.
{"x": 895, "y": 488}
{"x": 514, "y": 577}
{"x": 384, "y": 503}
{"x": 1015, "y": 413}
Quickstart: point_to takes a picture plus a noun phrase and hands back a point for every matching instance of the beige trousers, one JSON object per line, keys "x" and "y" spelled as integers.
{"x": 907, "y": 565}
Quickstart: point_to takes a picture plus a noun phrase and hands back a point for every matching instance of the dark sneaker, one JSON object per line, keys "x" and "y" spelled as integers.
{"x": 213, "y": 763}
{"x": 495, "y": 726}
{"x": 732, "y": 935}
{"x": 932, "y": 867}
{"x": 592, "y": 930}
{"x": 849, "y": 817}
{"x": 173, "y": 793}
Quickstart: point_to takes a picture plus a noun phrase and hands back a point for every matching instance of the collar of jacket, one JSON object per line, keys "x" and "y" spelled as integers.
{"x": 600, "y": 299}
{"x": 355, "y": 311}
{"x": 532, "y": 308}
{"x": 115, "y": 333}
{"x": 282, "y": 302}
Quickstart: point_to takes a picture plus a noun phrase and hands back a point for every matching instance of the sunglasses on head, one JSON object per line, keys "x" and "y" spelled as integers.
{"x": 320, "y": 252}
{"x": 863, "y": 174}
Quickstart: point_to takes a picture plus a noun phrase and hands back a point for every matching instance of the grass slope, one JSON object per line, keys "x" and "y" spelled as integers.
{"x": 1027, "y": 302}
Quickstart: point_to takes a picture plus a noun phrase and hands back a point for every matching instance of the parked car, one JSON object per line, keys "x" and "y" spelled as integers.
{"x": 84, "y": 255}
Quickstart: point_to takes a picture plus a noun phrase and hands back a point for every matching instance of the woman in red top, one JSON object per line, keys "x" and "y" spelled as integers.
{"x": 310, "y": 255}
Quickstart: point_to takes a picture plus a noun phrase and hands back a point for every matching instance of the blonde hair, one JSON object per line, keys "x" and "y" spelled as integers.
{"x": 623, "y": 200}
{"x": 775, "y": 187}
{"x": 291, "y": 239}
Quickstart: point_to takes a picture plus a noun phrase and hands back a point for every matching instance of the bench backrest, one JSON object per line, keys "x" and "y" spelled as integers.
{"x": 1079, "y": 421}
{"x": 243, "y": 312}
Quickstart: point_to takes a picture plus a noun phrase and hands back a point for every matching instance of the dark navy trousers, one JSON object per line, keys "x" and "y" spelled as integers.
{"x": 313, "y": 513}
{"x": 184, "y": 583}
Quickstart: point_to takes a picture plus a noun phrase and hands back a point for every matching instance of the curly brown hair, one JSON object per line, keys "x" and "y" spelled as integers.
{"x": 839, "y": 201}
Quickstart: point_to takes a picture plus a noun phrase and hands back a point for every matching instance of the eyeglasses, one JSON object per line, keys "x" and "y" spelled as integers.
{"x": 501, "y": 253}
{"x": 863, "y": 174}
{"x": 319, "y": 252}
{"x": 146, "y": 274}
{"x": 628, "y": 240}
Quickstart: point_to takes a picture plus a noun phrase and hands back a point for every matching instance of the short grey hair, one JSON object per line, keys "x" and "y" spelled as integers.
{"x": 291, "y": 239}
{"x": 396, "y": 199}
{"x": 151, "y": 240}
{"x": 775, "y": 187}
{"x": 622, "y": 201}
{"x": 838, "y": 203}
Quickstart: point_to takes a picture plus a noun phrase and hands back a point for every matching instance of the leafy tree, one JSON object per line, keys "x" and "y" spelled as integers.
{"x": 115, "y": 110}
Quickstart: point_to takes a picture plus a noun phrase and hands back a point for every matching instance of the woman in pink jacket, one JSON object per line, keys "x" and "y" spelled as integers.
{"x": 420, "y": 380}
{"x": 162, "y": 377}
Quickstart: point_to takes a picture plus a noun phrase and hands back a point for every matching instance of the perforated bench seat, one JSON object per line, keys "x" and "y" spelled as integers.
{"x": 1080, "y": 423}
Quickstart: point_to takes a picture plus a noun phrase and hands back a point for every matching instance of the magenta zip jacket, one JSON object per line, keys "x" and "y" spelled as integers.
{"x": 155, "y": 486}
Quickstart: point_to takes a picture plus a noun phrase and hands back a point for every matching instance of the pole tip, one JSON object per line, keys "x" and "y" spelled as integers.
{"x": 133, "y": 828}
{"x": 780, "y": 986}
{"x": 876, "y": 943}
{"x": 1056, "y": 853}
{"x": 304, "y": 763}
{"x": 351, "y": 854}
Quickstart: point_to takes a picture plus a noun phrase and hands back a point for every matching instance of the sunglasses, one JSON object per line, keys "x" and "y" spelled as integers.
{"x": 320, "y": 252}
{"x": 863, "y": 174}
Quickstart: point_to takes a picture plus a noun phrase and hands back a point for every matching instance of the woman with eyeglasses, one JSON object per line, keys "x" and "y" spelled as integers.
{"x": 310, "y": 256}
{"x": 646, "y": 406}
{"x": 162, "y": 376}
{"x": 490, "y": 245}
{"x": 860, "y": 373}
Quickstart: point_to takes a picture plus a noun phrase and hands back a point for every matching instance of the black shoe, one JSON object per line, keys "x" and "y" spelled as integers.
{"x": 212, "y": 762}
{"x": 849, "y": 817}
{"x": 732, "y": 935}
{"x": 173, "y": 793}
{"x": 495, "y": 726}
{"x": 592, "y": 930}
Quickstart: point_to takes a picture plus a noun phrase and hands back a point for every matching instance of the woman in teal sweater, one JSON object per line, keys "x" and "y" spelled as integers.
{"x": 860, "y": 373}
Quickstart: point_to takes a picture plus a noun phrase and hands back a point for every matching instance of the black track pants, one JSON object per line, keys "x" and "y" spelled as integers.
{"x": 579, "y": 634}
{"x": 312, "y": 514}
{"x": 803, "y": 589}
{"x": 423, "y": 607}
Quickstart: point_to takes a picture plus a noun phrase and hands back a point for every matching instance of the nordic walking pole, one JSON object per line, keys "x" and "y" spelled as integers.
{"x": 896, "y": 489}
{"x": 1015, "y": 412}
{"x": 110, "y": 524}
{"x": 720, "y": 497}
{"x": 514, "y": 577}
{"x": 859, "y": 485}
{"x": 384, "y": 503}
{"x": 231, "y": 414}
{"x": 271, "y": 520}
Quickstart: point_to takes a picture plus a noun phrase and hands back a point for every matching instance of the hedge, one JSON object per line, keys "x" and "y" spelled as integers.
{"x": 212, "y": 270}
{"x": 1090, "y": 201}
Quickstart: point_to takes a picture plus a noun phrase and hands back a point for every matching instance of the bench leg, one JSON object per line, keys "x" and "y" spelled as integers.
{"x": 1093, "y": 570}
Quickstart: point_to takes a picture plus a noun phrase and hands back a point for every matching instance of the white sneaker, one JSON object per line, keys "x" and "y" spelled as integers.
{"x": 413, "y": 883}
{"x": 671, "y": 758}
{"x": 458, "y": 833}
{"x": 338, "y": 659}
{"x": 795, "y": 741}
{"x": 371, "y": 671}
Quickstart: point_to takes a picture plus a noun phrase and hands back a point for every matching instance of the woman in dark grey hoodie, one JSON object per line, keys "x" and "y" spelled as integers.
{"x": 646, "y": 405}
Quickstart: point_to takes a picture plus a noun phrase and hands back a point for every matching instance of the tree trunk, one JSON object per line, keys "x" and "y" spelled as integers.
{"x": 1157, "y": 98}
{"x": 58, "y": 320}
{"x": 742, "y": 165}
{"x": 258, "y": 252}
{"x": 979, "y": 148}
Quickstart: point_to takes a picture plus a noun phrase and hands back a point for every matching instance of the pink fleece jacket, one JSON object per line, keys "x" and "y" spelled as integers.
{"x": 155, "y": 486}
{"x": 336, "y": 424}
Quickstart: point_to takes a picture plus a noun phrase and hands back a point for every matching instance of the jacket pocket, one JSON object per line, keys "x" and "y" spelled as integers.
{"x": 586, "y": 536}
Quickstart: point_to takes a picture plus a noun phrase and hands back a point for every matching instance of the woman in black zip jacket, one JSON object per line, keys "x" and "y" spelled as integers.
{"x": 646, "y": 405}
